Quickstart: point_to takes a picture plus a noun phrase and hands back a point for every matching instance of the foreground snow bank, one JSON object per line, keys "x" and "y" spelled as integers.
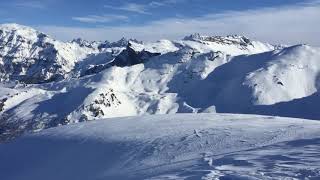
{"x": 180, "y": 146}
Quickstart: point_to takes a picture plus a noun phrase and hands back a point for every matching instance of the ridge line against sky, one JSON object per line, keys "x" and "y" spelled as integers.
{"x": 288, "y": 23}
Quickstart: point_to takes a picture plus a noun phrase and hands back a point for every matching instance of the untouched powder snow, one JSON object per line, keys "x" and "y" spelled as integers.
{"x": 185, "y": 146}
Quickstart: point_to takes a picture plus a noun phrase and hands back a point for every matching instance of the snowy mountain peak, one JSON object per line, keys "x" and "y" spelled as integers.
{"x": 84, "y": 43}
{"x": 123, "y": 42}
{"x": 230, "y": 39}
{"x": 29, "y": 56}
{"x": 195, "y": 36}
{"x": 12, "y": 31}
{"x": 15, "y": 27}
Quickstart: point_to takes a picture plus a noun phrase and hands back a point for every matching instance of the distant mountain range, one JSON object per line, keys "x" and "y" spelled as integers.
{"x": 47, "y": 83}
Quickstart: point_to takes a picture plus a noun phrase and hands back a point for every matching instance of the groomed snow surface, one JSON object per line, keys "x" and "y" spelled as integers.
{"x": 182, "y": 146}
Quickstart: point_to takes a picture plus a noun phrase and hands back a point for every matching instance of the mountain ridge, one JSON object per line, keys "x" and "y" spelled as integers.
{"x": 163, "y": 77}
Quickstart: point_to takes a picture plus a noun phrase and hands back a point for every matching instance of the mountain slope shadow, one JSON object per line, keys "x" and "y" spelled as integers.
{"x": 306, "y": 108}
{"x": 48, "y": 112}
{"x": 63, "y": 104}
{"x": 222, "y": 87}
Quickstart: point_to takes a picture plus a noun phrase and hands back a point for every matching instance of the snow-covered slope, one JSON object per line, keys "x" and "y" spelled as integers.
{"x": 198, "y": 74}
{"x": 248, "y": 82}
{"x": 186, "y": 146}
{"x": 33, "y": 57}
{"x": 30, "y": 56}
{"x": 46, "y": 83}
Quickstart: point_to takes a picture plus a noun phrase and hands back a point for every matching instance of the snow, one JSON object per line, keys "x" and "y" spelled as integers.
{"x": 78, "y": 81}
{"x": 23, "y": 31}
{"x": 233, "y": 45}
{"x": 19, "y": 97}
{"x": 31, "y": 56}
{"x": 281, "y": 82}
{"x": 184, "y": 146}
{"x": 162, "y": 46}
{"x": 46, "y": 83}
{"x": 296, "y": 68}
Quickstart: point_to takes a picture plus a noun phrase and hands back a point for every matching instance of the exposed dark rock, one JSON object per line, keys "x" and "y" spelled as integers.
{"x": 2, "y": 101}
{"x": 130, "y": 57}
{"x": 280, "y": 83}
{"x": 107, "y": 99}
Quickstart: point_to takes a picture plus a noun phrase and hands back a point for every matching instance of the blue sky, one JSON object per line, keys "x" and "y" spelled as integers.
{"x": 154, "y": 19}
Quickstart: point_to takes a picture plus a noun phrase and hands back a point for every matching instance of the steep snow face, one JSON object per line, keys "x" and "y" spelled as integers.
{"x": 32, "y": 57}
{"x": 290, "y": 74}
{"x": 185, "y": 146}
{"x": 266, "y": 79}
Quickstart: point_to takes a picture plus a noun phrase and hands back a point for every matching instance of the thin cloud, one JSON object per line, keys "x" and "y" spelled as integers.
{"x": 289, "y": 25}
{"x": 164, "y": 3}
{"x": 143, "y": 8}
{"x": 100, "y": 19}
{"x": 31, "y": 4}
{"x": 156, "y": 4}
{"x": 131, "y": 7}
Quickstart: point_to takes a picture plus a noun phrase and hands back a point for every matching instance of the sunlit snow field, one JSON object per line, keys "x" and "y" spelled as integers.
{"x": 185, "y": 146}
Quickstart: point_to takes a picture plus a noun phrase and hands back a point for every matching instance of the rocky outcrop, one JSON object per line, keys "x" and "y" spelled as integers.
{"x": 104, "y": 100}
{"x": 227, "y": 40}
{"x": 130, "y": 57}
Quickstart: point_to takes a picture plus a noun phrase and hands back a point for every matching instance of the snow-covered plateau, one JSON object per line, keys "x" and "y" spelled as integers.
{"x": 181, "y": 146}
{"x": 156, "y": 109}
